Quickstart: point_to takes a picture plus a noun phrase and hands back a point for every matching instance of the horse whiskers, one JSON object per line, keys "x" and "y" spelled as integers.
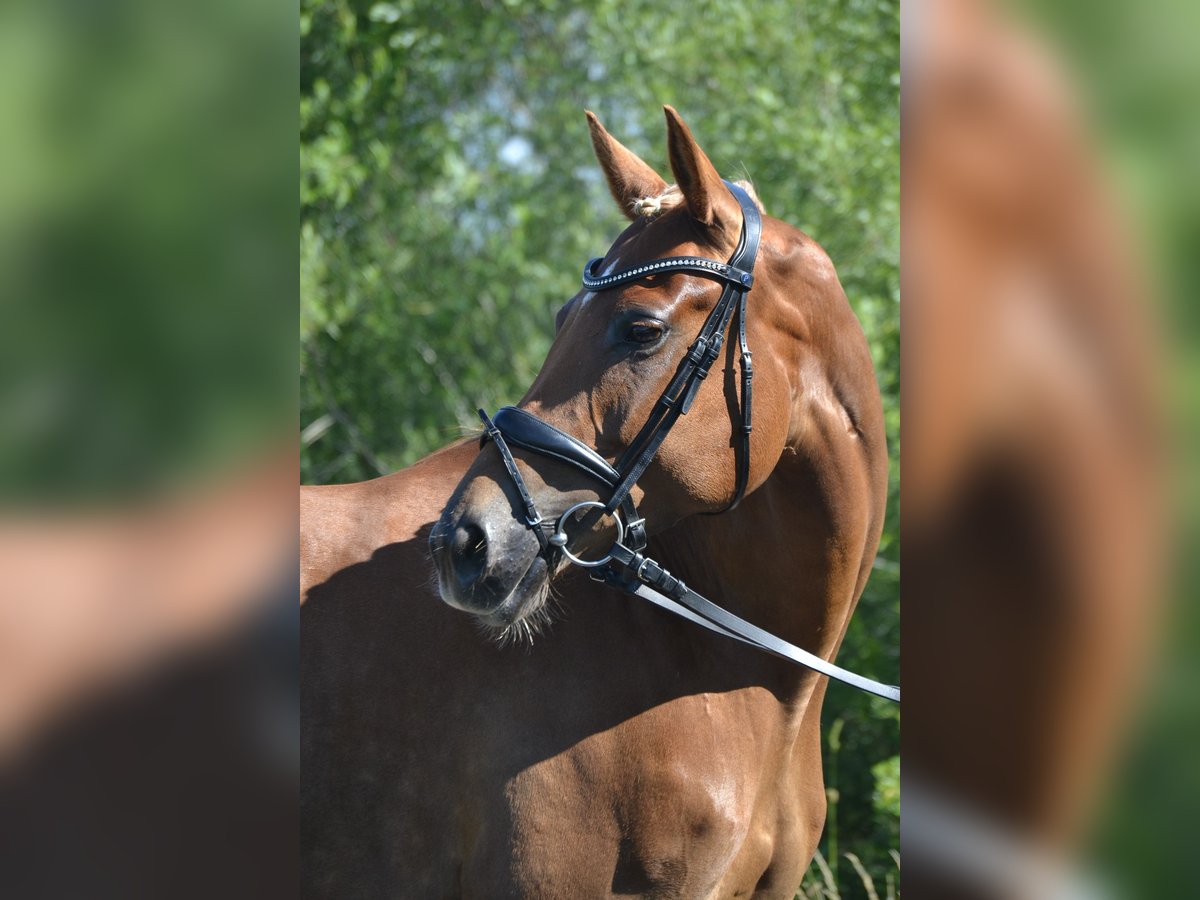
{"x": 507, "y": 636}
{"x": 433, "y": 582}
{"x": 438, "y": 541}
{"x": 526, "y": 629}
{"x": 552, "y": 607}
{"x": 521, "y": 632}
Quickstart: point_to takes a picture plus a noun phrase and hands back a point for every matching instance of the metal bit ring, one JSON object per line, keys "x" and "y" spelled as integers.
{"x": 559, "y": 538}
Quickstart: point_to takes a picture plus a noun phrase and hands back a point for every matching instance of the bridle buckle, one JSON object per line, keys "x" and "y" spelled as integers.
{"x": 641, "y": 566}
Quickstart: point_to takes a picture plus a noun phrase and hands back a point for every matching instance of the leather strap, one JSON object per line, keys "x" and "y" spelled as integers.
{"x": 532, "y": 517}
{"x": 696, "y": 265}
{"x": 531, "y": 433}
{"x": 747, "y": 366}
{"x": 648, "y": 579}
{"x": 522, "y": 429}
{"x": 677, "y": 399}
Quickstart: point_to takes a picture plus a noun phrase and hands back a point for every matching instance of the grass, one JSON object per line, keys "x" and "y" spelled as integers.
{"x": 820, "y": 883}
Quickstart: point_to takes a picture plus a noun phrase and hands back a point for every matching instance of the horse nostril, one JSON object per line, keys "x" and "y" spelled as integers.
{"x": 468, "y": 548}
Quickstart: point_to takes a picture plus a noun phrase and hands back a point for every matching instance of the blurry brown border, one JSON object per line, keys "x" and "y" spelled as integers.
{"x": 1039, "y": 440}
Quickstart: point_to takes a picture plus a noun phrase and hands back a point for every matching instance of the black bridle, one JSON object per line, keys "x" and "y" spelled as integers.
{"x": 625, "y": 566}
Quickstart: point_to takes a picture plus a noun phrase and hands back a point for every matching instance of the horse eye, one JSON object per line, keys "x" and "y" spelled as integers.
{"x": 644, "y": 332}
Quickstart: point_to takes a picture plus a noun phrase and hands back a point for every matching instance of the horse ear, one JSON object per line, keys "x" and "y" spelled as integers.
{"x": 707, "y": 198}
{"x": 629, "y": 178}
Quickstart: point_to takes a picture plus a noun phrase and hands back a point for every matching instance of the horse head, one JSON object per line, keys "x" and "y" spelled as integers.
{"x": 615, "y": 352}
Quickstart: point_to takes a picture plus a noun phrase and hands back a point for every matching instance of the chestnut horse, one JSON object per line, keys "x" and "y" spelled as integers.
{"x": 623, "y": 751}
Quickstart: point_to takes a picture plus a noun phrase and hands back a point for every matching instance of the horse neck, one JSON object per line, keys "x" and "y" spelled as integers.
{"x": 784, "y": 559}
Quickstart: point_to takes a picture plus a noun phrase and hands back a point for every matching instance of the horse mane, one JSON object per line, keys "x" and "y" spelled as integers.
{"x": 653, "y": 207}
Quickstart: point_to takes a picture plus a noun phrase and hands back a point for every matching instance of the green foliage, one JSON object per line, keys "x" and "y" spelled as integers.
{"x": 887, "y": 786}
{"x": 146, "y": 227}
{"x": 449, "y": 199}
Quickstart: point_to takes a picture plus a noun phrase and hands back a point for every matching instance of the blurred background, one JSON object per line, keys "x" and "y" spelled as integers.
{"x": 148, "y": 413}
{"x": 1049, "y": 220}
{"x": 1137, "y": 77}
{"x": 449, "y": 199}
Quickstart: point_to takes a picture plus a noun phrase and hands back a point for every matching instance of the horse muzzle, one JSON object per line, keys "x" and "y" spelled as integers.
{"x": 486, "y": 564}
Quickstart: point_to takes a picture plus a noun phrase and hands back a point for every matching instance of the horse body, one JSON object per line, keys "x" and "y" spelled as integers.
{"x": 625, "y": 751}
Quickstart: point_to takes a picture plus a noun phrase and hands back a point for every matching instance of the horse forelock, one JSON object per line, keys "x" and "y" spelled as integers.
{"x": 652, "y": 207}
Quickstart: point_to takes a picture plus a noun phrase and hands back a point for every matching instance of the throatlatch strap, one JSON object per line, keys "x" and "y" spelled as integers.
{"x": 747, "y": 367}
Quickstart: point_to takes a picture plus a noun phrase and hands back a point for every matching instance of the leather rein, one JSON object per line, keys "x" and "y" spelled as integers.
{"x": 625, "y": 566}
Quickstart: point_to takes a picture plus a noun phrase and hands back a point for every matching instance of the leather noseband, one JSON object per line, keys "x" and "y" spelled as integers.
{"x": 527, "y": 431}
